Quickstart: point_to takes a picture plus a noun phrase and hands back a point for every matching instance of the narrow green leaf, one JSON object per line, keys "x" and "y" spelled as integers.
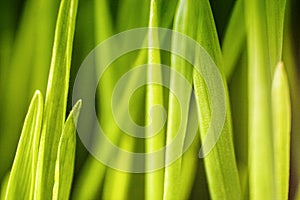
{"x": 154, "y": 181}
{"x": 22, "y": 177}
{"x": 281, "y": 113}
{"x": 89, "y": 180}
{"x": 116, "y": 180}
{"x": 166, "y": 12}
{"x": 178, "y": 111}
{"x": 56, "y": 98}
{"x": 190, "y": 159}
{"x": 274, "y": 12}
{"x": 220, "y": 163}
{"x": 26, "y": 70}
{"x": 234, "y": 39}
{"x": 238, "y": 89}
{"x": 264, "y": 28}
{"x": 132, "y": 14}
{"x": 64, "y": 166}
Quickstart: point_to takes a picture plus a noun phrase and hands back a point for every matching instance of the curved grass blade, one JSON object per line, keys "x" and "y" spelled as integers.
{"x": 56, "y": 98}
{"x": 22, "y": 177}
{"x": 281, "y": 113}
{"x": 154, "y": 181}
{"x": 220, "y": 164}
{"x": 234, "y": 39}
{"x": 64, "y": 166}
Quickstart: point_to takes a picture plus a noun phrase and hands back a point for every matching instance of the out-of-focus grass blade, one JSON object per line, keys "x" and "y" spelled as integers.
{"x": 190, "y": 158}
{"x": 275, "y": 11}
{"x": 234, "y": 39}
{"x": 220, "y": 164}
{"x": 166, "y": 11}
{"x": 22, "y": 177}
{"x": 281, "y": 113}
{"x": 27, "y": 70}
{"x": 132, "y": 14}
{"x": 4, "y": 184}
{"x": 56, "y": 98}
{"x": 91, "y": 176}
{"x": 154, "y": 181}
{"x": 264, "y": 39}
{"x": 238, "y": 90}
{"x": 177, "y": 113}
{"x": 65, "y": 156}
{"x": 289, "y": 53}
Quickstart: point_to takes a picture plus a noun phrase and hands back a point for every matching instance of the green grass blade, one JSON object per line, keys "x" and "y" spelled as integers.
{"x": 132, "y": 14}
{"x": 275, "y": 11}
{"x": 22, "y": 177}
{"x": 56, "y": 98}
{"x": 4, "y": 184}
{"x": 166, "y": 11}
{"x": 190, "y": 159}
{"x": 178, "y": 111}
{"x": 89, "y": 180}
{"x": 234, "y": 39}
{"x": 261, "y": 181}
{"x": 264, "y": 28}
{"x": 154, "y": 181}
{"x": 64, "y": 166}
{"x": 26, "y": 70}
{"x": 91, "y": 175}
{"x": 220, "y": 164}
{"x": 281, "y": 113}
{"x": 238, "y": 90}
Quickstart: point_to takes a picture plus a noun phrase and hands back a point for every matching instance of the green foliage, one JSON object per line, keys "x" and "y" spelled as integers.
{"x": 281, "y": 113}
{"x": 251, "y": 159}
{"x": 220, "y": 164}
{"x": 23, "y": 174}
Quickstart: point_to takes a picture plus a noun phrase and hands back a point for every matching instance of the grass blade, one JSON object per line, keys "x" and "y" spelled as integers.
{"x": 56, "y": 98}
{"x": 22, "y": 177}
{"x": 234, "y": 39}
{"x": 281, "y": 113}
{"x": 220, "y": 164}
{"x": 92, "y": 173}
{"x": 26, "y": 70}
{"x": 264, "y": 52}
{"x": 275, "y": 11}
{"x": 177, "y": 113}
{"x": 64, "y": 166}
{"x": 4, "y": 184}
{"x": 154, "y": 181}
